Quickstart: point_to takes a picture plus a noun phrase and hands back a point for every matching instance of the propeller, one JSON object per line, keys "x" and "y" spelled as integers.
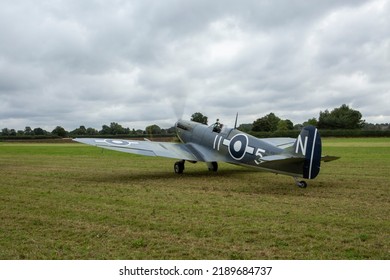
{"x": 178, "y": 105}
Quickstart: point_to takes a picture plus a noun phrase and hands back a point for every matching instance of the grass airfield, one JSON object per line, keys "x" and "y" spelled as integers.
{"x": 72, "y": 201}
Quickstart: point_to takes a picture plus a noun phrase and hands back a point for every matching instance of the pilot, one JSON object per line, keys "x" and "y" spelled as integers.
{"x": 217, "y": 126}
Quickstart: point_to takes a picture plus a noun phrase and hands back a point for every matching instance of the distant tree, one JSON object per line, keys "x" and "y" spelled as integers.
{"x": 105, "y": 130}
{"x": 91, "y": 131}
{"x": 298, "y": 126}
{"x": 312, "y": 122}
{"x": 82, "y": 129}
{"x": 39, "y": 131}
{"x": 341, "y": 118}
{"x": 79, "y": 131}
{"x": 171, "y": 130}
{"x": 261, "y": 124}
{"x": 5, "y": 132}
{"x": 290, "y": 124}
{"x": 282, "y": 125}
{"x": 199, "y": 117}
{"x": 245, "y": 127}
{"x": 116, "y": 128}
{"x": 59, "y": 131}
{"x": 266, "y": 123}
{"x": 28, "y": 131}
{"x": 153, "y": 129}
{"x": 285, "y": 125}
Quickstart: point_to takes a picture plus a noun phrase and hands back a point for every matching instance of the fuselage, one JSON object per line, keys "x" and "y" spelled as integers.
{"x": 232, "y": 146}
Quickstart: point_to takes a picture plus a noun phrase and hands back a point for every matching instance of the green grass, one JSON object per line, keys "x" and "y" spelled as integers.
{"x": 72, "y": 201}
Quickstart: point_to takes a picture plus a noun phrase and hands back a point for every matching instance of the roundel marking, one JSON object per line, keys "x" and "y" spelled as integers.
{"x": 117, "y": 142}
{"x": 238, "y": 145}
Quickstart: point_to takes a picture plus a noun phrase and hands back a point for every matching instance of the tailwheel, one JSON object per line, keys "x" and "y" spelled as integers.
{"x": 301, "y": 184}
{"x": 179, "y": 167}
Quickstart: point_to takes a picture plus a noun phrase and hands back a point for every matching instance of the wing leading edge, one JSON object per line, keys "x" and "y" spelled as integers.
{"x": 146, "y": 148}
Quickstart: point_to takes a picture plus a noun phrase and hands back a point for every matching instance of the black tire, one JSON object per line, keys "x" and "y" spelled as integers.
{"x": 179, "y": 167}
{"x": 302, "y": 185}
{"x": 214, "y": 166}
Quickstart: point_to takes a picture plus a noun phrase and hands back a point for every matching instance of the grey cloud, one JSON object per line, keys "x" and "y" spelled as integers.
{"x": 142, "y": 62}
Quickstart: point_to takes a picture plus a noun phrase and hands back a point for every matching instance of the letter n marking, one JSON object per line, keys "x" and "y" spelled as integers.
{"x": 301, "y": 145}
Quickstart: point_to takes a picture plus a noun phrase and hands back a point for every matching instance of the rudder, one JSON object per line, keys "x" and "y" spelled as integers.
{"x": 309, "y": 146}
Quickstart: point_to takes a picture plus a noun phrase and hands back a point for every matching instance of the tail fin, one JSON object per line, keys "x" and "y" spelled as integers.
{"x": 308, "y": 145}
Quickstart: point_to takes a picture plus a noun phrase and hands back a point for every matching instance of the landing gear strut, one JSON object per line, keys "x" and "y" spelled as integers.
{"x": 179, "y": 167}
{"x": 301, "y": 184}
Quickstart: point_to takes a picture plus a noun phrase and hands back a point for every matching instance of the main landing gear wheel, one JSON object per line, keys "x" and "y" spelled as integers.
{"x": 179, "y": 167}
{"x": 213, "y": 166}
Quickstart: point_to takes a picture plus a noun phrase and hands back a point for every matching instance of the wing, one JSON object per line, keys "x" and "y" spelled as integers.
{"x": 146, "y": 148}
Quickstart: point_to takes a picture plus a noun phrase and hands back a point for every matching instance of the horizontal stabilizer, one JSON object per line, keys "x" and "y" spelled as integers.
{"x": 329, "y": 158}
{"x": 281, "y": 157}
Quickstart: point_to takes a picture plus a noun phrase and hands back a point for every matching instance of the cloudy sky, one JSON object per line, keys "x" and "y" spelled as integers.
{"x": 142, "y": 62}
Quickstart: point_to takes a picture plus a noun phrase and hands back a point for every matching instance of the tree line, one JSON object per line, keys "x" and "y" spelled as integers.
{"x": 112, "y": 129}
{"x": 341, "y": 118}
